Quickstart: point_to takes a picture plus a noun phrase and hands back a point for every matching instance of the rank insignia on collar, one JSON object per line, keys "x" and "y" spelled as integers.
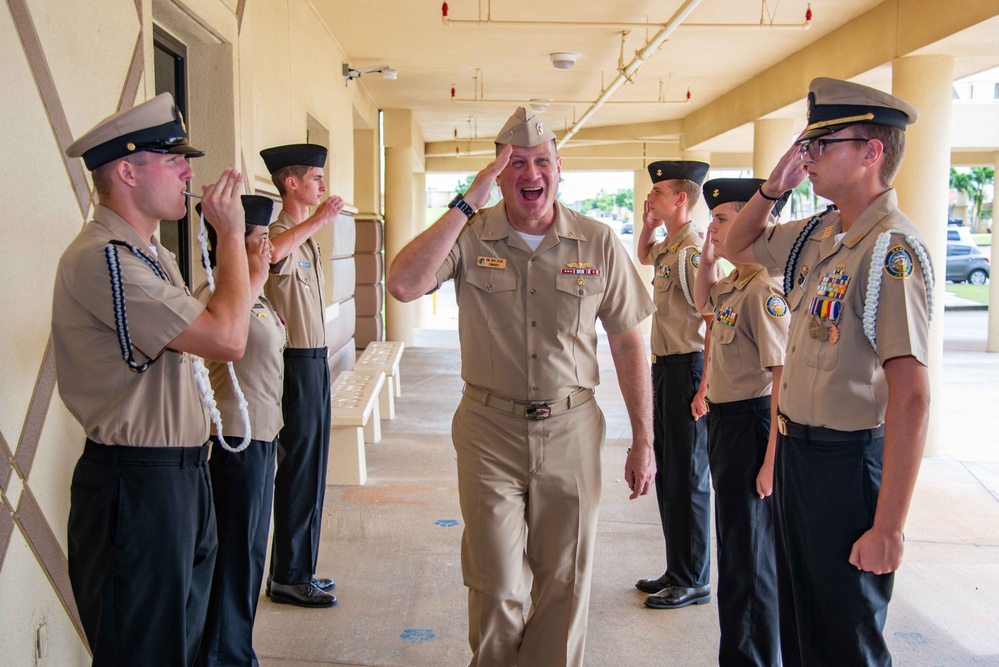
{"x": 776, "y": 306}
{"x": 827, "y": 232}
{"x": 898, "y": 263}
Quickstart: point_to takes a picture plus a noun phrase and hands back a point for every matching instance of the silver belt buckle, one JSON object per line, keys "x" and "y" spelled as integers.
{"x": 537, "y": 411}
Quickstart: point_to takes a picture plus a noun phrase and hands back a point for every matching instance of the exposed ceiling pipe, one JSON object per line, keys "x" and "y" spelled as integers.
{"x": 617, "y": 25}
{"x": 632, "y": 67}
{"x": 522, "y": 102}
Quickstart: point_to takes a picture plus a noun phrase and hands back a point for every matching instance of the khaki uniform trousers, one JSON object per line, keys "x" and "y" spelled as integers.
{"x": 529, "y": 493}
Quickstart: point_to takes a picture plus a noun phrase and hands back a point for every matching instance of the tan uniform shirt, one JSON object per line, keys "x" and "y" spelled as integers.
{"x": 296, "y": 290}
{"x": 260, "y": 374}
{"x": 820, "y": 386}
{"x": 528, "y": 318}
{"x": 160, "y": 407}
{"x": 748, "y": 335}
{"x": 677, "y": 327}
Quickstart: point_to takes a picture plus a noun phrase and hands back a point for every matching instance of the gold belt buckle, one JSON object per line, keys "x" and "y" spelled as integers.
{"x": 537, "y": 411}
{"x": 782, "y": 424}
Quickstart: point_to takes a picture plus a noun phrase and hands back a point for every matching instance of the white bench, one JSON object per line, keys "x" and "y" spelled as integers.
{"x": 383, "y": 357}
{"x": 354, "y": 420}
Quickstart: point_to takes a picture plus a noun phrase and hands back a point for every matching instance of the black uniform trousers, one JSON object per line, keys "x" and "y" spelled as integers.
{"x": 747, "y": 578}
{"x": 243, "y": 486}
{"x": 825, "y": 495}
{"x": 141, "y": 551}
{"x": 682, "y": 485}
{"x": 302, "y": 453}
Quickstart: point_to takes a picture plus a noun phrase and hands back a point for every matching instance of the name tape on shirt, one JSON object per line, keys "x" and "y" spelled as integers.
{"x": 491, "y": 262}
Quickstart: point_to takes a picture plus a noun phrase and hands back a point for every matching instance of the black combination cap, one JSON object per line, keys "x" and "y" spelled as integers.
{"x": 668, "y": 170}
{"x": 834, "y": 104}
{"x": 155, "y": 125}
{"x": 720, "y": 191}
{"x": 308, "y": 155}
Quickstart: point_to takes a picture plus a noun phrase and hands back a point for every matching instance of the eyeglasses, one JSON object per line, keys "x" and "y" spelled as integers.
{"x": 814, "y": 149}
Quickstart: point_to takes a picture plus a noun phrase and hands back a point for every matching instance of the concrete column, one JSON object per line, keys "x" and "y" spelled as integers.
{"x": 367, "y": 167}
{"x": 643, "y": 184}
{"x": 699, "y": 213}
{"x": 771, "y": 139}
{"x": 399, "y": 213}
{"x": 993, "y": 340}
{"x": 923, "y": 187}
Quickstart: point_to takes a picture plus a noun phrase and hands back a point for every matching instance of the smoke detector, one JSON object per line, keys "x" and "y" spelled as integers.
{"x": 563, "y": 60}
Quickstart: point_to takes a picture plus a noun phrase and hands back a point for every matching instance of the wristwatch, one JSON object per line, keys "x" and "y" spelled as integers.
{"x": 462, "y": 205}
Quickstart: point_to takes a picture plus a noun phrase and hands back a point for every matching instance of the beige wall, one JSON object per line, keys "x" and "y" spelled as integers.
{"x": 252, "y": 85}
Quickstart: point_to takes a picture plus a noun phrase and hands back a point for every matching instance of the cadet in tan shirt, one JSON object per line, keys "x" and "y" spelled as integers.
{"x": 748, "y": 339}
{"x": 858, "y": 282}
{"x": 243, "y": 480}
{"x": 124, "y": 328}
{"x": 296, "y": 290}
{"x": 679, "y": 343}
{"x": 532, "y": 278}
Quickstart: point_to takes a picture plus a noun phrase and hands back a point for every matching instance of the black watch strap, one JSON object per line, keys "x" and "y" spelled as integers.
{"x": 462, "y": 205}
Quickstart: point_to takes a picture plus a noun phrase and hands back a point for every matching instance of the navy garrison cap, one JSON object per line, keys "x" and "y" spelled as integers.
{"x": 667, "y": 170}
{"x": 155, "y": 125}
{"x": 308, "y": 155}
{"x": 834, "y": 104}
{"x": 257, "y": 208}
{"x": 720, "y": 191}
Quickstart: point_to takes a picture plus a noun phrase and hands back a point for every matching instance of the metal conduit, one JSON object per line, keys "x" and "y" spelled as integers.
{"x": 632, "y": 67}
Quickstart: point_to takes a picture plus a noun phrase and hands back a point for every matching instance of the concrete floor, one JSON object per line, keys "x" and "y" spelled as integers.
{"x": 393, "y": 544}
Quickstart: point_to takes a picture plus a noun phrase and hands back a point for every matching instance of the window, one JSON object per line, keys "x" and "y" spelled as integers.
{"x": 170, "y": 73}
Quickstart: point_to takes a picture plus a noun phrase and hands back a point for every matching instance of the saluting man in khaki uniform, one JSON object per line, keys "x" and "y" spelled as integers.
{"x": 854, "y": 392}
{"x": 296, "y": 290}
{"x": 679, "y": 343}
{"x": 532, "y": 278}
{"x": 142, "y": 536}
{"x": 748, "y": 339}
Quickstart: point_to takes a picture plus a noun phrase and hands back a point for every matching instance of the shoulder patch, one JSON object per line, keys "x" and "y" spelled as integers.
{"x": 776, "y": 306}
{"x": 695, "y": 260}
{"x": 898, "y": 262}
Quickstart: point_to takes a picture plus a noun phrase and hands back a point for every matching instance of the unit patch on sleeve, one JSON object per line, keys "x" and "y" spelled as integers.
{"x": 695, "y": 260}
{"x": 898, "y": 263}
{"x": 776, "y": 306}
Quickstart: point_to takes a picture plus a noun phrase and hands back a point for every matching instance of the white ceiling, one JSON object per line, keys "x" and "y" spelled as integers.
{"x": 512, "y": 66}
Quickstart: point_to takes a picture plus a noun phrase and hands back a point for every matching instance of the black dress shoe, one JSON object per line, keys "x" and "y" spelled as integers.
{"x": 677, "y": 597}
{"x": 303, "y": 595}
{"x": 322, "y": 583}
{"x": 653, "y": 585}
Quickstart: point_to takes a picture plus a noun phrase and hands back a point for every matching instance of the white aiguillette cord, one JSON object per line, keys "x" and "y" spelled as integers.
{"x": 201, "y": 373}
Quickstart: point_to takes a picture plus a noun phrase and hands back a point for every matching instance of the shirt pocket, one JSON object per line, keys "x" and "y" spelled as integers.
{"x": 723, "y": 341}
{"x": 494, "y": 297}
{"x": 576, "y": 305}
{"x": 305, "y": 275}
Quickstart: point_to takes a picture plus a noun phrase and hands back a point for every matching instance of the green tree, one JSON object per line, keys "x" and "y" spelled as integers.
{"x": 462, "y": 186}
{"x": 973, "y": 184}
{"x": 980, "y": 178}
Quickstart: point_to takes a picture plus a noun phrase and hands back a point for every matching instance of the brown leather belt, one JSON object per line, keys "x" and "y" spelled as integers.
{"x": 531, "y": 410}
